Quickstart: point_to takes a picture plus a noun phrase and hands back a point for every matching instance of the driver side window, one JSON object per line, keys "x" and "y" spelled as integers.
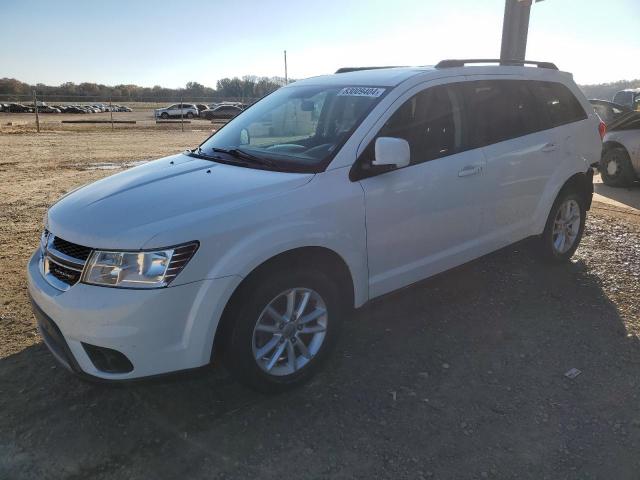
{"x": 430, "y": 121}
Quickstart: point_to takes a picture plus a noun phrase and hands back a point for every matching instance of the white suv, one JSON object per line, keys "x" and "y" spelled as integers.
{"x": 186, "y": 110}
{"x": 322, "y": 196}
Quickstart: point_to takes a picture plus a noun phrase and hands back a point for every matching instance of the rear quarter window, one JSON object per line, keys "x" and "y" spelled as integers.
{"x": 557, "y": 102}
{"x": 498, "y": 110}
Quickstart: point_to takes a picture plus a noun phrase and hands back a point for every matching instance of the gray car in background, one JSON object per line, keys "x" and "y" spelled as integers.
{"x": 186, "y": 110}
{"x": 620, "y": 162}
{"x": 629, "y": 97}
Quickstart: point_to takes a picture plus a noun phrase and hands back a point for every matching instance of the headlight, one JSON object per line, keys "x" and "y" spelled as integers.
{"x": 152, "y": 269}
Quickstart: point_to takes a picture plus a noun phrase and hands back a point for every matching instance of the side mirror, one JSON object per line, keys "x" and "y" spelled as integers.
{"x": 245, "y": 139}
{"x": 392, "y": 151}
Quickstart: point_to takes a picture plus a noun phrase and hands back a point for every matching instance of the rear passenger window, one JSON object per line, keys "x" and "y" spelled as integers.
{"x": 558, "y": 103}
{"x": 430, "y": 122}
{"x": 498, "y": 110}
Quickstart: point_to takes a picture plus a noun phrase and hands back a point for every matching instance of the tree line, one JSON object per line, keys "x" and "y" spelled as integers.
{"x": 247, "y": 88}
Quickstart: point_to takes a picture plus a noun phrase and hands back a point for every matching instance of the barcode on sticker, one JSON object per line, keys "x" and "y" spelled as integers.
{"x": 361, "y": 92}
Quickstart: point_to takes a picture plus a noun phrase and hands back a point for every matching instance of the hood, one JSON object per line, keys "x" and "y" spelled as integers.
{"x": 125, "y": 210}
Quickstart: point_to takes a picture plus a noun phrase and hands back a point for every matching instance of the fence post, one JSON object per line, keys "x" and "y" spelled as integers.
{"x": 35, "y": 106}
{"x": 181, "y": 113}
{"x": 111, "y": 111}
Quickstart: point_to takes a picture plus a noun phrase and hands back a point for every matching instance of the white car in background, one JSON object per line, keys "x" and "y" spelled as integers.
{"x": 620, "y": 162}
{"x": 322, "y": 196}
{"x": 186, "y": 110}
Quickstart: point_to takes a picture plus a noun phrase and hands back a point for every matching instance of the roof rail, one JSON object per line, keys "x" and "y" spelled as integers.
{"x": 520, "y": 63}
{"x": 357, "y": 69}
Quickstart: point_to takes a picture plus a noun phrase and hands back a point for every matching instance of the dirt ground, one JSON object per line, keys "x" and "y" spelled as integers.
{"x": 460, "y": 376}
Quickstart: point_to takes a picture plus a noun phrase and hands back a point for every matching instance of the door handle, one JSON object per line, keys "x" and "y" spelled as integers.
{"x": 549, "y": 147}
{"x": 470, "y": 170}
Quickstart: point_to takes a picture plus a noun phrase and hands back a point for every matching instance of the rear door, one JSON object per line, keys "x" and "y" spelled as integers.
{"x": 506, "y": 122}
{"x": 423, "y": 218}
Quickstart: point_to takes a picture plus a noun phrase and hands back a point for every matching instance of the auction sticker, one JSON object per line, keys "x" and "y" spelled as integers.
{"x": 361, "y": 92}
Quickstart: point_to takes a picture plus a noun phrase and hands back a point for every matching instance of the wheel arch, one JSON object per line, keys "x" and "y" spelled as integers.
{"x": 581, "y": 183}
{"x": 319, "y": 257}
{"x": 610, "y": 144}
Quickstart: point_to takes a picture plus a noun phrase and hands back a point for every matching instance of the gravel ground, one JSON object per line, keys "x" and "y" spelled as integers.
{"x": 461, "y": 376}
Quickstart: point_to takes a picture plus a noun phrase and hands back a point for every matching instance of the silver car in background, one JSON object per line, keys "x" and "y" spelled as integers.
{"x": 186, "y": 110}
{"x": 620, "y": 162}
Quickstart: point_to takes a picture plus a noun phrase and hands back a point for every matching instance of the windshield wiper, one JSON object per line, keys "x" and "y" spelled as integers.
{"x": 243, "y": 155}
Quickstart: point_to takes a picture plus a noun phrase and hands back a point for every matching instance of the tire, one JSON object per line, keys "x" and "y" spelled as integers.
{"x": 164, "y": 115}
{"x": 189, "y": 114}
{"x": 615, "y": 168}
{"x": 568, "y": 205}
{"x": 262, "y": 359}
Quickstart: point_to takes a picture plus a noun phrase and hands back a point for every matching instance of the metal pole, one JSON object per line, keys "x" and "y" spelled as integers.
{"x": 181, "y": 113}
{"x": 35, "y": 106}
{"x": 111, "y": 111}
{"x": 286, "y": 77}
{"x": 515, "y": 28}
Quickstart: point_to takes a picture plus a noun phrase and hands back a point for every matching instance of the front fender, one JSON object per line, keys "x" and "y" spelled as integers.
{"x": 328, "y": 212}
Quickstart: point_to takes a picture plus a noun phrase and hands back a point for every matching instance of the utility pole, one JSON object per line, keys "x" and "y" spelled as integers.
{"x": 515, "y": 28}
{"x": 181, "y": 112}
{"x": 35, "y": 109}
{"x": 286, "y": 78}
{"x": 111, "y": 111}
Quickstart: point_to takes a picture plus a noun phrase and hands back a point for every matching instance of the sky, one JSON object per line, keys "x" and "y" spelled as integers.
{"x": 170, "y": 43}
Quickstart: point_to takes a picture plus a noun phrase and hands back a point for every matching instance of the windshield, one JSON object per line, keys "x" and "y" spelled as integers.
{"x": 297, "y": 128}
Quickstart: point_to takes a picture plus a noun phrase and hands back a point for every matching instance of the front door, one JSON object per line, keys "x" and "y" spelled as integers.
{"x": 426, "y": 217}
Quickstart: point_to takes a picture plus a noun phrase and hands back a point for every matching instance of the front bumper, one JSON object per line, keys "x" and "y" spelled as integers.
{"x": 159, "y": 331}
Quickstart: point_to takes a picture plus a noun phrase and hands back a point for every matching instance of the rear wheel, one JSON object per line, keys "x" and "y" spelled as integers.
{"x": 615, "y": 168}
{"x": 564, "y": 228}
{"x": 189, "y": 114}
{"x": 283, "y": 328}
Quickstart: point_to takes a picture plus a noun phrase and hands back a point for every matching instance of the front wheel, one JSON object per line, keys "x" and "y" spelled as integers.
{"x": 164, "y": 115}
{"x": 189, "y": 114}
{"x": 283, "y": 329}
{"x": 564, "y": 228}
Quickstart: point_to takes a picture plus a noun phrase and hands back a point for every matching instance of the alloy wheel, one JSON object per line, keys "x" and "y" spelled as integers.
{"x": 566, "y": 226}
{"x": 290, "y": 331}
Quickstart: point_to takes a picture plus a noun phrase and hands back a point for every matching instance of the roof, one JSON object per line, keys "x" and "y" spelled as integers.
{"x": 383, "y": 77}
{"x": 393, "y": 76}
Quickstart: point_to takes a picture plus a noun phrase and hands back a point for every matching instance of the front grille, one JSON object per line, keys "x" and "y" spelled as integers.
{"x": 62, "y": 261}
{"x": 71, "y": 249}
{"x": 64, "y": 274}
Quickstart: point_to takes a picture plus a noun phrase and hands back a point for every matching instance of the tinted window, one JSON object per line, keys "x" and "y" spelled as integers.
{"x": 558, "y": 103}
{"x": 430, "y": 122}
{"x": 498, "y": 110}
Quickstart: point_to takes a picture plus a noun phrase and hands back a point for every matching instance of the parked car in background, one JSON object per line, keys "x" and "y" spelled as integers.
{"x": 221, "y": 112}
{"x": 74, "y": 109}
{"x": 187, "y": 110}
{"x": 324, "y": 195}
{"x": 201, "y": 106}
{"x": 18, "y": 108}
{"x": 47, "y": 109}
{"x": 619, "y": 165}
{"x": 629, "y": 97}
{"x": 609, "y": 111}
